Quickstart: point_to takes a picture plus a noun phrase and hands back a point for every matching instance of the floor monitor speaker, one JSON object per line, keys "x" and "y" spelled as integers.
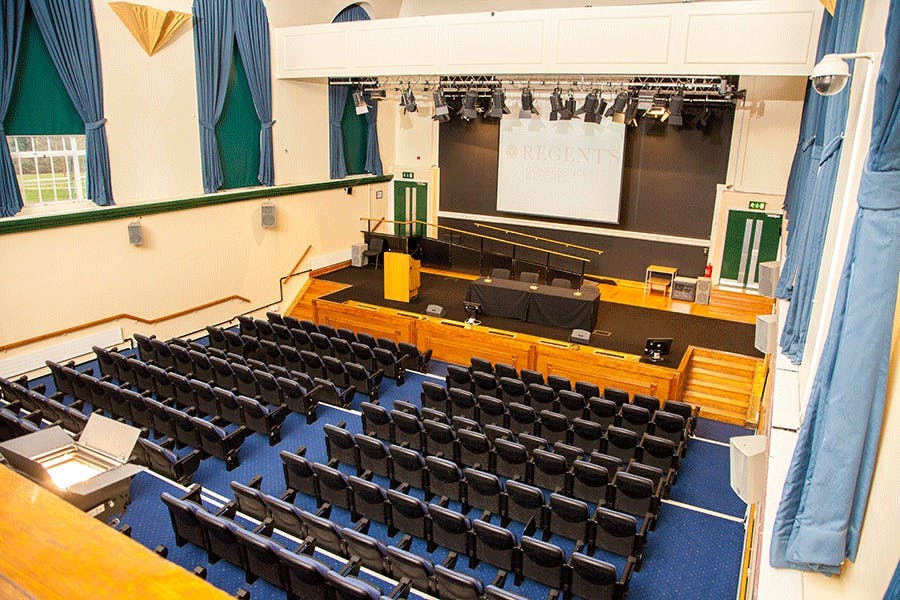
{"x": 435, "y": 310}
{"x": 580, "y": 336}
{"x": 704, "y": 289}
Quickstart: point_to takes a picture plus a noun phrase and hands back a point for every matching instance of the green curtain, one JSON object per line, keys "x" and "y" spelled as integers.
{"x": 238, "y": 131}
{"x": 40, "y": 104}
{"x": 355, "y": 130}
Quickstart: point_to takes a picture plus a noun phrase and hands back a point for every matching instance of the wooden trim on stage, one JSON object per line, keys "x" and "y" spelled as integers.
{"x": 52, "y": 550}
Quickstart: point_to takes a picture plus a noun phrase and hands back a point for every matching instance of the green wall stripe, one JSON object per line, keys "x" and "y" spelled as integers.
{"x": 94, "y": 215}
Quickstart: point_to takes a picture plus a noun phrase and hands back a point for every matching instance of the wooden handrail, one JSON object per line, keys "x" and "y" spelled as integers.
{"x": 73, "y": 329}
{"x": 539, "y": 238}
{"x": 293, "y": 270}
{"x": 478, "y": 235}
{"x": 378, "y": 224}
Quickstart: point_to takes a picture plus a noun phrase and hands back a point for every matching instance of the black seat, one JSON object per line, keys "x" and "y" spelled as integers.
{"x": 305, "y": 578}
{"x": 522, "y": 418}
{"x": 617, "y": 532}
{"x": 336, "y": 372}
{"x": 247, "y": 325}
{"x": 602, "y": 411}
{"x": 530, "y": 376}
{"x": 215, "y": 441}
{"x": 412, "y": 568}
{"x": 408, "y": 430}
{"x": 350, "y": 588}
{"x": 366, "y": 339}
{"x": 505, "y": 370}
{"x": 374, "y": 250}
{"x": 369, "y": 500}
{"x": 301, "y": 339}
{"x": 587, "y": 389}
{"x": 483, "y": 491}
{"x": 659, "y": 477}
{"x": 390, "y": 364}
{"x": 568, "y": 452}
{"x": 261, "y": 556}
{"x": 511, "y": 460}
{"x": 659, "y": 452}
{"x": 513, "y": 390}
{"x": 449, "y": 529}
{"x": 321, "y": 344}
{"x": 217, "y": 337}
{"x": 533, "y": 442}
{"x": 269, "y": 390}
{"x": 146, "y": 352}
{"x": 234, "y": 342}
{"x": 342, "y": 349}
{"x": 373, "y": 455}
{"x": 687, "y": 411}
{"x": 499, "y": 273}
{"x": 444, "y": 478}
{"x": 550, "y": 470}
{"x": 283, "y": 335}
{"x": 340, "y": 445}
{"x": 292, "y": 359}
{"x": 670, "y": 426}
{"x": 167, "y": 463}
{"x": 364, "y": 381}
{"x": 185, "y": 523}
{"x": 571, "y": 519}
{"x": 143, "y": 378}
{"x": 328, "y": 392}
{"x": 298, "y": 475}
{"x": 323, "y": 533}
{"x": 462, "y": 404}
{"x": 611, "y": 463}
{"x": 408, "y": 407}
{"x": 298, "y": 399}
{"x": 529, "y": 276}
{"x": 618, "y": 396}
{"x": 363, "y": 355}
{"x": 587, "y": 435}
{"x": 651, "y": 403}
{"x": 590, "y": 482}
{"x": 440, "y": 440}
{"x": 492, "y": 592}
{"x": 434, "y": 396}
{"x": 229, "y": 407}
{"x": 452, "y": 585}
{"x": 285, "y": 516}
{"x": 634, "y": 495}
{"x": 543, "y": 562}
{"x": 417, "y": 359}
{"x": 594, "y": 579}
{"x": 558, "y": 382}
{"x": 333, "y": 486}
{"x": 459, "y": 377}
{"x": 572, "y": 404}
{"x": 346, "y": 334}
{"x": 485, "y": 384}
{"x": 312, "y": 364}
{"x": 327, "y": 330}
{"x": 495, "y": 546}
{"x": 621, "y": 442}
{"x": 635, "y": 418}
{"x": 222, "y": 540}
{"x": 263, "y": 418}
{"x": 541, "y": 397}
{"x": 491, "y": 411}
{"x": 162, "y": 354}
{"x": 525, "y": 504}
{"x": 365, "y": 550}
{"x": 376, "y": 421}
{"x": 554, "y": 427}
{"x": 408, "y": 466}
{"x": 408, "y": 514}
{"x": 474, "y": 449}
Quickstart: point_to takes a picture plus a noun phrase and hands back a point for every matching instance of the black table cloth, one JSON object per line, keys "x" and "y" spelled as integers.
{"x": 501, "y": 297}
{"x": 541, "y": 304}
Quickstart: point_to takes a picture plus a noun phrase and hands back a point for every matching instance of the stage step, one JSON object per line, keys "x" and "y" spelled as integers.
{"x": 315, "y": 288}
{"x": 724, "y": 385}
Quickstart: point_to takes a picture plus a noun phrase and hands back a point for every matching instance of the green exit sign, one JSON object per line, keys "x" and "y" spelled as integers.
{"x": 408, "y": 174}
{"x": 755, "y": 205}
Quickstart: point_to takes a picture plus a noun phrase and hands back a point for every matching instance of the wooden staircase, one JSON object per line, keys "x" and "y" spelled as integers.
{"x": 312, "y": 290}
{"x": 727, "y": 387}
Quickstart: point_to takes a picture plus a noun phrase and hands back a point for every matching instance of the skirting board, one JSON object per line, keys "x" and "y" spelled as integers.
{"x": 29, "y": 361}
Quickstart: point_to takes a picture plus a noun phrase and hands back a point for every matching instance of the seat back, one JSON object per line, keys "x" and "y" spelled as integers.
{"x": 298, "y": 474}
{"x": 590, "y": 482}
{"x": 621, "y": 442}
{"x": 616, "y": 532}
{"x": 495, "y": 546}
{"x": 513, "y": 390}
{"x": 407, "y": 430}
{"x": 587, "y": 389}
{"x": 369, "y": 499}
{"x": 602, "y": 411}
{"x": 550, "y": 470}
{"x": 335, "y": 371}
{"x": 458, "y": 586}
{"x": 651, "y": 403}
{"x": 408, "y": 466}
{"x": 635, "y": 418}
{"x": 618, "y": 396}
{"x": 511, "y": 460}
{"x": 587, "y": 435}
{"x": 658, "y": 452}
{"x": 440, "y": 440}
{"x": 571, "y": 518}
{"x": 669, "y": 425}
{"x": 459, "y": 377}
{"x": 572, "y": 404}
{"x": 554, "y": 427}
{"x": 634, "y": 495}
{"x": 363, "y": 355}
{"x": 305, "y": 577}
{"x": 449, "y": 529}
{"x": 483, "y": 490}
{"x": 370, "y": 552}
{"x": 412, "y": 567}
{"x": 543, "y": 562}
{"x": 342, "y": 350}
{"x": 333, "y": 486}
{"x": 593, "y": 578}
{"x": 324, "y": 533}
{"x": 525, "y": 503}
{"x": 376, "y": 421}
{"x": 558, "y": 382}
{"x": 434, "y": 396}
{"x": 408, "y": 514}
{"x": 491, "y": 411}
{"x": 340, "y": 445}
{"x": 444, "y": 478}
{"x": 541, "y": 397}
{"x": 373, "y": 455}
{"x": 522, "y": 418}
{"x": 474, "y": 449}
{"x": 485, "y": 383}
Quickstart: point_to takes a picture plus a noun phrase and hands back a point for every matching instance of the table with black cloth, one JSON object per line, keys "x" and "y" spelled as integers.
{"x": 541, "y": 304}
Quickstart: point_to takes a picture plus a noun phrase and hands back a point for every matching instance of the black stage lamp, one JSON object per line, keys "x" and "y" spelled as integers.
{"x": 568, "y": 110}
{"x": 676, "y": 102}
{"x": 618, "y": 106}
{"x": 441, "y": 111}
{"x": 528, "y": 109}
{"x": 497, "y": 108}
{"x": 631, "y": 112}
{"x": 468, "y": 110}
{"x": 408, "y": 101}
{"x": 359, "y": 102}
{"x": 556, "y": 104}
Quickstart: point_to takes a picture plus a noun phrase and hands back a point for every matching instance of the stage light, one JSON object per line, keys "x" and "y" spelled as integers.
{"x": 408, "y": 101}
{"x": 676, "y": 102}
{"x": 589, "y": 108}
{"x": 658, "y": 110}
{"x": 630, "y": 117}
{"x": 359, "y": 102}
{"x": 528, "y": 109}
{"x": 704, "y": 119}
{"x": 617, "y": 110}
{"x": 441, "y": 111}
{"x": 497, "y": 108}
{"x": 568, "y": 111}
{"x": 556, "y": 104}
{"x": 468, "y": 110}
{"x": 601, "y": 109}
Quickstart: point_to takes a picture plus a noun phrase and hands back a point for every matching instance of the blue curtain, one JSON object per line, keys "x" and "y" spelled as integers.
{"x": 68, "y": 29}
{"x": 213, "y": 45}
{"x": 811, "y": 184}
{"x": 373, "y": 154}
{"x": 12, "y": 14}
{"x": 251, "y": 28}
{"x": 337, "y": 99}
{"x": 824, "y": 499}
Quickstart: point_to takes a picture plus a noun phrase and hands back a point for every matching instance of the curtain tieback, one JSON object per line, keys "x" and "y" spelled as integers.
{"x": 805, "y": 145}
{"x": 830, "y": 148}
{"x": 208, "y": 125}
{"x": 95, "y": 124}
{"x": 268, "y": 124}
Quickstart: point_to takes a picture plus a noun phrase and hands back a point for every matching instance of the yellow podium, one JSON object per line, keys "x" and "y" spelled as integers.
{"x": 401, "y": 277}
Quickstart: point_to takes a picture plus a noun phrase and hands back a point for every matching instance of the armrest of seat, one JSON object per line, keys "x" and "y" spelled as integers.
{"x": 39, "y": 388}
{"x": 193, "y": 494}
{"x": 255, "y": 482}
{"x": 625, "y": 577}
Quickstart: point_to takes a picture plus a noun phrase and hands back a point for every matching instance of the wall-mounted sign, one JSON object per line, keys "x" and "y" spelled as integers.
{"x": 757, "y": 205}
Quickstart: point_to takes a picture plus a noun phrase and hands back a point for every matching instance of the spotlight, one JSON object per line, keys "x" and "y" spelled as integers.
{"x": 378, "y": 93}
{"x": 630, "y": 117}
{"x": 441, "y": 111}
{"x": 568, "y": 110}
{"x": 618, "y": 107}
{"x": 704, "y": 119}
{"x": 556, "y": 104}
{"x": 675, "y": 104}
{"x": 497, "y": 108}
{"x": 468, "y": 110}
{"x": 408, "y": 101}
{"x": 658, "y": 110}
{"x": 601, "y": 109}
{"x": 528, "y": 108}
{"x": 359, "y": 101}
{"x": 589, "y": 108}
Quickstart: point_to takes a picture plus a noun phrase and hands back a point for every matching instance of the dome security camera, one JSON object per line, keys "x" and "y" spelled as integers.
{"x": 830, "y": 75}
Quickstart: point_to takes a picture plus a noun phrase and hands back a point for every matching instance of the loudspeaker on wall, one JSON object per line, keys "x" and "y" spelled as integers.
{"x": 768, "y": 278}
{"x": 748, "y": 467}
{"x": 135, "y": 234}
{"x": 435, "y": 310}
{"x": 268, "y": 215}
{"x": 766, "y": 332}
{"x": 704, "y": 288}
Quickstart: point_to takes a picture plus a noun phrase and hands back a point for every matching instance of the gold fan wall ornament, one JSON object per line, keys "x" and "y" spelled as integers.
{"x": 151, "y": 27}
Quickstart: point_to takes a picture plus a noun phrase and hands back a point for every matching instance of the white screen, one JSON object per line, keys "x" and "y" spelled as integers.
{"x": 564, "y": 169}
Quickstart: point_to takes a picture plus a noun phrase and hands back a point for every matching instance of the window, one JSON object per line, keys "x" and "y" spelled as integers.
{"x": 49, "y": 168}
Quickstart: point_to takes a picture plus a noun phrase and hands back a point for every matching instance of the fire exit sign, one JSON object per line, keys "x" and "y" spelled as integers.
{"x": 408, "y": 174}
{"x": 754, "y": 204}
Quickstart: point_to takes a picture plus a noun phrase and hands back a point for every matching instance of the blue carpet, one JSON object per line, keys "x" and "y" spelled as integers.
{"x": 704, "y": 480}
{"x": 720, "y": 432}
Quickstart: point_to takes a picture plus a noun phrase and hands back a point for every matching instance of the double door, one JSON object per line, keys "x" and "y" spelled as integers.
{"x": 751, "y": 237}
{"x": 410, "y": 204}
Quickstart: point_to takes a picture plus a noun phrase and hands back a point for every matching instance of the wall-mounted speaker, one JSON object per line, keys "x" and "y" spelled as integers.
{"x": 435, "y": 310}
{"x": 748, "y": 467}
{"x": 704, "y": 289}
{"x": 766, "y": 333}
{"x": 268, "y": 215}
{"x": 768, "y": 277}
{"x": 135, "y": 234}
{"x": 580, "y": 336}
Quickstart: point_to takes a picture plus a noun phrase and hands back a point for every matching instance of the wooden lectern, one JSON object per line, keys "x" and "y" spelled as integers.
{"x": 401, "y": 277}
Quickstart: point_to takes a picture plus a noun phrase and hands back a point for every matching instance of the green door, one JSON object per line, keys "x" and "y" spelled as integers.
{"x": 410, "y": 204}
{"x": 751, "y": 237}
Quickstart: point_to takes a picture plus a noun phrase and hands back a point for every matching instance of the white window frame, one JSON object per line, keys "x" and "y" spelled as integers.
{"x": 76, "y": 182}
